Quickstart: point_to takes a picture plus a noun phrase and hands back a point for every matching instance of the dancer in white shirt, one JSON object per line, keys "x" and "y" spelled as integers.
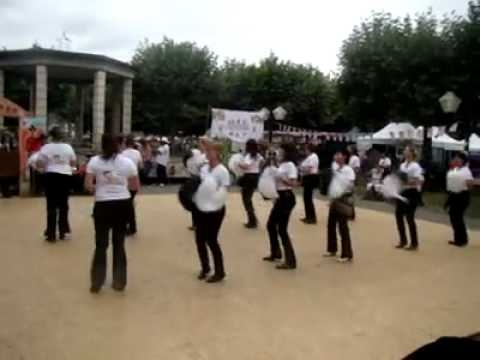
{"x": 459, "y": 182}
{"x": 411, "y": 173}
{"x": 277, "y": 225}
{"x": 210, "y": 200}
{"x": 162, "y": 158}
{"x": 110, "y": 176}
{"x": 251, "y": 164}
{"x": 341, "y": 207}
{"x": 57, "y": 159}
{"x": 310, "y": 180}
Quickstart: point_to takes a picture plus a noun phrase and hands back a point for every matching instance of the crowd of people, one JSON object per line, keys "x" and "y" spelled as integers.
{"x": 114, "y": 177}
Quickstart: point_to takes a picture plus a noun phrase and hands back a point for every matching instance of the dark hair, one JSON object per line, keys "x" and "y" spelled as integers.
{"x": 345, "y": 152}
{"x": 110, "y": 146}
{"x": 129, "y": 141}
{"x": 251, "y": 147}
{"x": 290, "y": 152}
{"x": 311, "y": 147}
{"x": 56, "y": 133}
{"x": 352, "y": 150}
{"x": 462, "y": 156}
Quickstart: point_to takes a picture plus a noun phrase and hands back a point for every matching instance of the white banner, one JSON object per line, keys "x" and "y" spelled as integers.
{"x": 238, "y": 126}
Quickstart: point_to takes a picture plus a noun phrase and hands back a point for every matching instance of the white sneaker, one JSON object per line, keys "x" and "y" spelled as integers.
{"x": 66, "y": 236}
{"x": 328, "y": 254}
{"x": 344, "y": 260}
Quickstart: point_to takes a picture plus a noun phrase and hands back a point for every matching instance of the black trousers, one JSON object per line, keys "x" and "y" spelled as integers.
{"x": 206, "y": 235}
{"x": 334, "y": 219}
{"x": 310, "y": 183}
{"x": 278, "y": 225}
{"x": 161, "y": 174}
{"x": 110, "y": 216}
{"x": 57, "y": 191}
{"x": 406, "y": 211}
{"x": 132, "y": 219}
{"x": 458, "y": 204}
{"x": 249, "y": 185}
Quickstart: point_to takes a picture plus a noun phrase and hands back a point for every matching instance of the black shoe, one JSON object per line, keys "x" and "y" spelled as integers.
{"x": 251, "y": 225}
{"x": 309, "y": 221}
{"x": 272, "y": 258}
{"x": 203, "y": 275}
{"x": 215, "y": 278}
{"x": 412, "y": 248}
{"x": 131, "y": 232}
{"x": 191, "y": 228}
{"x": 286, "y": 267}
{"x": 95, "y": 289}
{"x": 457, "y": 244}
{"x": 51, "y": 239}
{"x": 118, "y": 286}
{"x": 400, "y": 246}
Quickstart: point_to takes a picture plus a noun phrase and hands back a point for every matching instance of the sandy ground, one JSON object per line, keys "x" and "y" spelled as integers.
{"x": 382, "y": 306}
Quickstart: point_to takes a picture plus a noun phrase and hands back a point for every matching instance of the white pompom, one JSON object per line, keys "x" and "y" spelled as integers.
{"x": 266, "y": 184}
{"x": 233, "y": 164}
{"x": 208, "y": 196}
{"x": 391, "y": 188}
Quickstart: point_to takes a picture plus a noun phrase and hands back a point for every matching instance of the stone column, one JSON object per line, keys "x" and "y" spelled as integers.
{"x": 98, "y": 126}
{"x": 2, "y": 91}
{"x": 41, "y": 90}
{"x": 116, "y": 101}
{"x": 127, "y": 106}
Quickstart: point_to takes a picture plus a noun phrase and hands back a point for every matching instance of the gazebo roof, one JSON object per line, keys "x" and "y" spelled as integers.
{"x": 63, "y": 65}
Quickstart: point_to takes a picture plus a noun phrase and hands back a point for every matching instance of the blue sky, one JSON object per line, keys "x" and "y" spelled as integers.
{"x": 303, "y": 31}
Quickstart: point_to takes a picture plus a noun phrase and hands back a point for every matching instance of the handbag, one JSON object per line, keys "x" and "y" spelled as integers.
{"x": 344, "y": 206}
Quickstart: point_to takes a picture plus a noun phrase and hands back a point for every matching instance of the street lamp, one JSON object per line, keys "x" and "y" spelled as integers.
{"x": 450, "y": 104}
{"x": 279, "y": 114}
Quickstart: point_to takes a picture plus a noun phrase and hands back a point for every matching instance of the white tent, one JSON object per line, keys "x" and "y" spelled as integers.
{"x": 474, "y": 143}
{"x": 394, "y": 132}
{"x": 448, "y": 143}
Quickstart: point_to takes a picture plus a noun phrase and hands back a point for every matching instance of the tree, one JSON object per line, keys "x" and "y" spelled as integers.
{"x": 174, "y": 85}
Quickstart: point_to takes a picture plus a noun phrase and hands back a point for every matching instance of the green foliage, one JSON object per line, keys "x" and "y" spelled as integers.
{"x": 174, "y": 85}
{"x": 398, "y": 68}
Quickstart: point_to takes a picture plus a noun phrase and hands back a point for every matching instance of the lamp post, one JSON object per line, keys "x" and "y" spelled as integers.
{"x": 278, "y": 114}
{"x": 450, "y": 104}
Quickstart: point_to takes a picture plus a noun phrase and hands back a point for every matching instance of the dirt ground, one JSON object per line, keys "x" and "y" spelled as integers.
{"x": 382, "y": 306}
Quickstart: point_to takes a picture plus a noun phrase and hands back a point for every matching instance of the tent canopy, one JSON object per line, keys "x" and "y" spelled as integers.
{"x": 474, "y": 143}
{"x": 448, "y": 143}
{"x": 10, "y": 109}
{"x": 394, "y": 132}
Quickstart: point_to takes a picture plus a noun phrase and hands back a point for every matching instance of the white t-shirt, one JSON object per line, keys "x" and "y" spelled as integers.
{"x": 457, "y": 179}
{"x": 343, "y": 179}
{"x": 133, "y": 155}
{"x": 253, "y": 163}
{"x": 309, "y": 166}
{"x": 196, "y": 162}
{"x": 163, "y": 156}
{"x": 354, "y": 162}
{"x": 385, "y": 163}
{"x": 286, "y": 170}
{"x": 414, "y": 172}
{"x": 112, "y": 177}
{"x": 57, "y": 158}
{"x": 212, "y": 192}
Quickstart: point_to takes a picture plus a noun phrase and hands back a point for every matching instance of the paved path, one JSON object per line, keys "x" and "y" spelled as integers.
{"x": 382, "y": 306}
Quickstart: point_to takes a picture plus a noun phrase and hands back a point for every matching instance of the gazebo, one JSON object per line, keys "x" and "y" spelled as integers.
{"x": 41, "y": 65}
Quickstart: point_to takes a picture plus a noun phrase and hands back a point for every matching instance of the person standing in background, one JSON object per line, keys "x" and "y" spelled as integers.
{"x": 110, "y": 176}
{"x": 57, "y": 160}
{"x": 162, "y": 158}
{"x": 411, "y": 173}
{"x": 251, "y": 164}
{"x": 277, "y": 225}
{"x": 210, "y": 212}
{"x": 385, "y": 164}
{"x": 354, "y": 161}
{"x": 341, "y": 207}
{"x": 136, "y": 157}
{"x": 459, "y": 182}
{"x": 309, "y": 169}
